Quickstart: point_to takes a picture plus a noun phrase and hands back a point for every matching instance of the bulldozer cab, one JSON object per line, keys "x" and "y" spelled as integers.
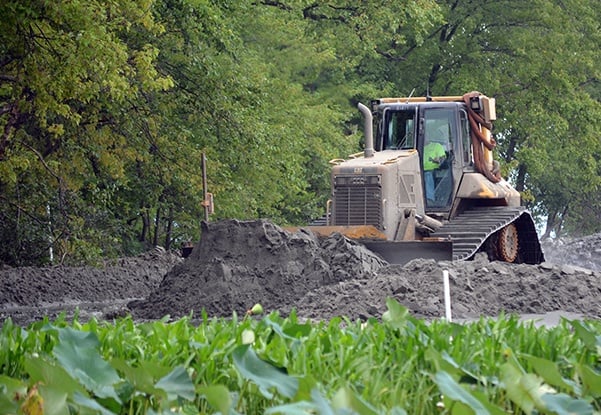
{"x": 440, "y": 133}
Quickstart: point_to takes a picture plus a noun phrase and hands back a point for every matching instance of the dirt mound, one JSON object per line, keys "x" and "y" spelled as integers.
{"x": 29, "y": 293}
{"x": 238, "y": 264}
{"x": 478, "y": 288}
{"x": 241, "y": 263}
{"x": 584, "y": 252}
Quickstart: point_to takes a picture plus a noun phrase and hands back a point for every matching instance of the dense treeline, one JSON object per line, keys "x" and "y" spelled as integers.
{"x": 106, "y": 108}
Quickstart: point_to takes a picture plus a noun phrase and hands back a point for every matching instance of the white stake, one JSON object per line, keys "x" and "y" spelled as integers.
{"x": 447, "y": 295}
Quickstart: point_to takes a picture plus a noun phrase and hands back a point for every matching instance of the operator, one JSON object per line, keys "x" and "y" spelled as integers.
{"x": 434, "y": 155}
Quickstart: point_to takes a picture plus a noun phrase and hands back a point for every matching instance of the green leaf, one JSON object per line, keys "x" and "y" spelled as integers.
{"x": 55, "y": 399}
{"x": 278, "y": 330}
{"x": 218, "y": 397}
{"x": 444, "y": 362}
{"x": 323, "y": 406}
{"x": 139, "y": 377}
{"x": 396, "y": 315}
{"x": 297, "y": 330}
{"x": 525, "y": 390}
{"x": 296, "y": 408}
{"x": 346, "y": 398}
{"x": 9, "y": 388}
{"x": 86, "y": 402}
{"x": 49, "y": 373}
{"x": 549, "y": 371}
{"x": 56, "y": 384}
{"x": 78, "y": 354}
{"x": 177, "y": 383}
{"x": 453, "y": 390}
{"x": 248, "y": 336}
{"x": 590, "y": 339}
{"x": 265, "y": 375}
{"x": 591, "y": 380}
{"x": 562, "y": 404}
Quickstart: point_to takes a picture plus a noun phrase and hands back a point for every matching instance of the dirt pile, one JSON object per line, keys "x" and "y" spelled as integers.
{"x": 478, "y": 288}
{"x": 241, "y": 263}
{"x": 238, "y": 264}
{"x": 30, "y": 293}
{"x": 584, "y": 252}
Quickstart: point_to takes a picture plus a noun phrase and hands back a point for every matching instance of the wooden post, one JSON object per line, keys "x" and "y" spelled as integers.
{"x": 205, "y": 193}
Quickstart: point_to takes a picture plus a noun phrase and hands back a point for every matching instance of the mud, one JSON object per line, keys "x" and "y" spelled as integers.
{"x": 240, "y": 263}
{"x": 29, "y": 294}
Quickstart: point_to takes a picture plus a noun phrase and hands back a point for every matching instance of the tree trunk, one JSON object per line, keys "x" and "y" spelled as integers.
{"x": 559, "y": 225}
{"x": 157, "y": 224}
{"x": 550, "y": 225}
{"x": 169, "y": 229}
{"x": 145, "y": 225}
{"x": 510, "y": 153}
{"x": 520, "y": 181}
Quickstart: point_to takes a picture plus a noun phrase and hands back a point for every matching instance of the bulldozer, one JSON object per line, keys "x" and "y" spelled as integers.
{"x": 426, "y": 185}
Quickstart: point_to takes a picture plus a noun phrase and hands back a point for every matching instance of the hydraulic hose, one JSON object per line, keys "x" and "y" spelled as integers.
{"x": 481, "y": 138}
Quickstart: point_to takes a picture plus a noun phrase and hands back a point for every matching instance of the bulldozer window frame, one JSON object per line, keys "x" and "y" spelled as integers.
{"x": 399, "y": 129}
{"x": 465, "y": 138}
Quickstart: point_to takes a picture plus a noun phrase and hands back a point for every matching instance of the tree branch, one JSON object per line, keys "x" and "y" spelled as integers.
{"x": 46, "y": 166}
{"x": 8, "y": 78}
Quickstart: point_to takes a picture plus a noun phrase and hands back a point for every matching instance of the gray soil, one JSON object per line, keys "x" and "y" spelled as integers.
{"x": 237, "y": 264}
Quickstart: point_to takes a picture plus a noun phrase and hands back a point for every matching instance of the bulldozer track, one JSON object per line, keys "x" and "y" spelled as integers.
{"x": 469, "y": 230}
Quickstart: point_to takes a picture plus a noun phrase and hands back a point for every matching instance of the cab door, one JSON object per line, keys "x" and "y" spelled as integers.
{"x": 438, "y": 130}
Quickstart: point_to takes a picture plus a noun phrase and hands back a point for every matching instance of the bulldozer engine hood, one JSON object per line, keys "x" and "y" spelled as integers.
{"x": 377, "y": 190}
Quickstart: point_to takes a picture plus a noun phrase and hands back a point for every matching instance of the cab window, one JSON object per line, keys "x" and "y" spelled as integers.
{"x": 399, "y": 130}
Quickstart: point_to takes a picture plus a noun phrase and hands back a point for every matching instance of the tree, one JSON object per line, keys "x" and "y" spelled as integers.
{"x": 544, "y": 79}
{"x": 107, "y": 106}
{"x": 66, "y": 77}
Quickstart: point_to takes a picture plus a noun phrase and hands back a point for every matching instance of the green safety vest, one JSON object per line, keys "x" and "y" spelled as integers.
{"x": 432, "y": 151}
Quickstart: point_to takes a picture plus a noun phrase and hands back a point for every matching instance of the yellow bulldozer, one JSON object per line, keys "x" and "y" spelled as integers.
{"x": 426, "y": 185}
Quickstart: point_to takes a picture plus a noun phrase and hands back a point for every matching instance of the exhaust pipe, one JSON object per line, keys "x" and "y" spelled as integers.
{"x": 368, "y": 130}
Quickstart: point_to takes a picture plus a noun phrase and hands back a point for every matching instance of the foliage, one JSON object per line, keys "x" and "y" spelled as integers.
{"x": 68, "y": 79}
{"x": 281, "y": 365}
{"x": 106, "y": 108}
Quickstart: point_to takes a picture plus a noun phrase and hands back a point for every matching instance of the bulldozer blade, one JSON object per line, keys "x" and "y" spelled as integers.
{"x": 352, "y": 232}
{"x": 401, "y": 252}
